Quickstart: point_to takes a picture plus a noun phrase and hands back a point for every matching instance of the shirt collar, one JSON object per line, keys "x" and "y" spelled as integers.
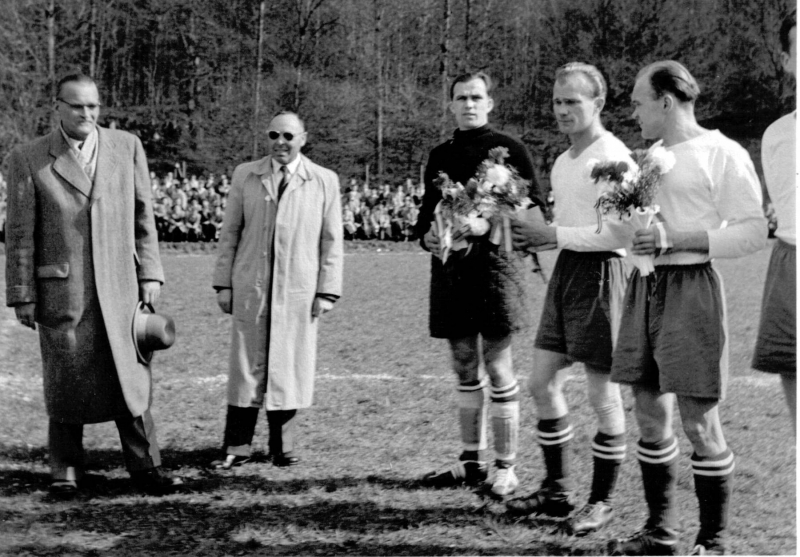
{"x": 291, "y": 167}
{"x": 75, "y": 144}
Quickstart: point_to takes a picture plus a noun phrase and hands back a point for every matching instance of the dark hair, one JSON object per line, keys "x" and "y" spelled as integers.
{"x": 289, "y": 113}
{"x": 591, "y": 73}
{"x": 73, "y": 78}
{"x": 464, "y": 77}
{"x": 789, "y": 22}
{"x": 669, "y": 76}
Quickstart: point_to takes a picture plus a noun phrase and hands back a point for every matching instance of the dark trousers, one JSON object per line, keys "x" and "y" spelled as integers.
{"x": 240, "y": 427}
{"x": 137, "y": 435}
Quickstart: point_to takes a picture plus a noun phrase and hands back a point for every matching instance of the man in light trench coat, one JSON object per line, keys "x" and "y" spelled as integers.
{"x": 279, "y": 270}
{"x": 82, "y": 252}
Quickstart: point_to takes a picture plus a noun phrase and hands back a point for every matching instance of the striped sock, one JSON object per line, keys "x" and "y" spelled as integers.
{"x": 713, "y": 483}
{"x": 473, "y": 411}
{"x": 608, "y": 452}
{"x": 505, "y": 423}
{"x": 554, "y": 436}
{"x": 659, "y": 464}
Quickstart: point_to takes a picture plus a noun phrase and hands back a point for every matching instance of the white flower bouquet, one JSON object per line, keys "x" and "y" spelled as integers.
{"x": 485, "y": 204}
{"x": 628, "y": 193}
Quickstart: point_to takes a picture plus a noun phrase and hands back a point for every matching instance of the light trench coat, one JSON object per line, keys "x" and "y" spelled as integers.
{"x": 277, "y": 257}
{"x": 78, "y": 250}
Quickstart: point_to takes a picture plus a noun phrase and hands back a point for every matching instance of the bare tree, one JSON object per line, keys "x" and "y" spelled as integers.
{"x": 379, "y": 86}
{"x": 444, "y": 66}
{"x": 50, "y": 15}
{"x": 262, "y": 11}
{"x": 309, "y": 28}
{"x": 92, "y": 38}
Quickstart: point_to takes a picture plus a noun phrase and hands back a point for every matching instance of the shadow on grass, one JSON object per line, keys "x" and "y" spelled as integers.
{"x": 142, "y": 526}
{"x": 192, "y": 464}
{"x": 246, "y": 512}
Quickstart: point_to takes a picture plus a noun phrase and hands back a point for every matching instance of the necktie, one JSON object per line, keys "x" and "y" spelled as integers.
{"x": 284, "y": 181}
{"x": 85, "y": 160}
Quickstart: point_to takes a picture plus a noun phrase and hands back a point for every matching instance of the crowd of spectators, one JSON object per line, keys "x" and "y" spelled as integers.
{"x": 191, "y": 209}
{"x": 383, "y": 212}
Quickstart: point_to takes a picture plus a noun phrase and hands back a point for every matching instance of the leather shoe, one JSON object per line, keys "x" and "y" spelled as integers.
{"x": 155, "y": 481}
{"x": 285, "y": 460}
{"x": 64, "y": 489}
{"x": 230, "y": 461}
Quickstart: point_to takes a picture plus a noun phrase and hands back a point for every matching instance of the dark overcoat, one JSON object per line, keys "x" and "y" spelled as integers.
{"x": 78, "y": 249}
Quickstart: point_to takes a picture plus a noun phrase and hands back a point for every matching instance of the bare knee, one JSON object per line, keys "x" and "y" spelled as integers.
{"x": 701, "y": 424}
{"x": 653, "y": 414}
{"x": 466, "y": 360}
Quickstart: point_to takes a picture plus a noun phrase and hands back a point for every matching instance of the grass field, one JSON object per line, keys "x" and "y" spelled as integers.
{"x": 384, "y": 414}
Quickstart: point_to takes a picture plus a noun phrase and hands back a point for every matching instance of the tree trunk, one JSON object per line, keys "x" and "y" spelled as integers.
{"x": 92, "y": 38}
{"x": 467, "y": 26}
{"x": 50, "y": 15}
{"x": 444, "y": 68}
{"x": 262, "y": 11}
{"x": 379, "y": 88}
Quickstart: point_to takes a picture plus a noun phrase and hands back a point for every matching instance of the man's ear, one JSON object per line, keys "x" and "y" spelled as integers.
{"x": 785, "y": 60}
{"x": 490, "y": 102}
{"x": 599, "y": 103}
{"x": 669, "y": 102}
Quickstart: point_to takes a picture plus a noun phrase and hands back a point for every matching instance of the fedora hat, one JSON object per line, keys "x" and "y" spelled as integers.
{"x": 151, "y": 332}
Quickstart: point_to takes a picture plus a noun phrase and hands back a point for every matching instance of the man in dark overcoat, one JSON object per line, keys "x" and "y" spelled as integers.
{"x": 82, "y": 251}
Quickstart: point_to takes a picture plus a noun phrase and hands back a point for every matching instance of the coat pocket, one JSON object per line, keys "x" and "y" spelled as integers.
{"x": 56, "y": 270}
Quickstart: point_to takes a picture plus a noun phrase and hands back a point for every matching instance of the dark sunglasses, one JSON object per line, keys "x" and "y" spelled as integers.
{"x": 275, "y": 135}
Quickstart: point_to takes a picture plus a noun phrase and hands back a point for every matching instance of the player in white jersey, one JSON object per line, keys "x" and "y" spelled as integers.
{"x": 673, "y": 334}
{"x": 581, "y": 312}
{"x": 776, "y": 346}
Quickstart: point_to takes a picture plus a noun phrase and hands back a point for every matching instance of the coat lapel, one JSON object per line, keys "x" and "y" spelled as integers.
{"x": 264, "y": 171}
{"x": 106, "y": 163}
{"x": 67, "y": 166}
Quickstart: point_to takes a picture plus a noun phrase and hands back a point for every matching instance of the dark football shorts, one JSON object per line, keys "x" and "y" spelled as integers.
{"x": 776, "y": 345}
{"x": 673, "y": 334}
{"x": 583, "y": 306}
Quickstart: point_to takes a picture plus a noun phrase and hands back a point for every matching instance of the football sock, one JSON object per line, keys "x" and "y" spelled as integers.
{"x": 713, "y": 483}
{"x": 659, "y": 464}
{"x": 505, "y": 423}
{"x": 554, "y": 436}
{"x": 473, "y": 411}
{"x": 608, "y": 452}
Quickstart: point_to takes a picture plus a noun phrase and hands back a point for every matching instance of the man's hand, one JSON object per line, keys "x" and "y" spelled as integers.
{"x": 473, "y": 227}
{"x": 660, "y": 239}
{"x": 25, "y": 314}
{"x": 431, "y": 240}
{"x": 149, "y": 291}
{"x": 224, "y": 300}
{"x": 321, "y": 305}
{"x": 644, "y": 241}
{"x": 531, "y": 232}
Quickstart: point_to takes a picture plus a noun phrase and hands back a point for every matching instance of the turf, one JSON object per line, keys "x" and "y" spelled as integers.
{"x": 384, "y": 413}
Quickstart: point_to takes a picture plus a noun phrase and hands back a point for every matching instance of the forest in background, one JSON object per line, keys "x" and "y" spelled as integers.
{"x": 198, "y": 80}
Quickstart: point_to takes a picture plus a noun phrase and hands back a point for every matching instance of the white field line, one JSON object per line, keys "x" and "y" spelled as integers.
{"x": 759, "y": 381}
{"x": 28, "y": 387}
